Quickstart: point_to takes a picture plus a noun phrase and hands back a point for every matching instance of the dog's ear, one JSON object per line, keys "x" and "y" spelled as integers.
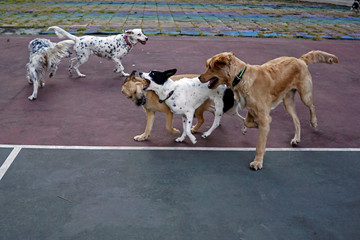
{"x": 223, "y": 59}
{"x": 131, "y": 77}
{"x": 129, "y": 32}
{"x": 207, "y": 62}
{"x": 170, "y": 72}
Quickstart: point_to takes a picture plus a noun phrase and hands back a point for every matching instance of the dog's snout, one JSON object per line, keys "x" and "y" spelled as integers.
{"x": 146, "y": 38}
{"x": 201, "y": 79}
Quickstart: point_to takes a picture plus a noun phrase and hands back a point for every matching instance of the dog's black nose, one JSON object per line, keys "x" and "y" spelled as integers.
{"x": 146, "y": 39}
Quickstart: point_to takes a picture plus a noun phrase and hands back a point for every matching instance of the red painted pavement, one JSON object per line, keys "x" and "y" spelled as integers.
{"x": 93, "y": 111}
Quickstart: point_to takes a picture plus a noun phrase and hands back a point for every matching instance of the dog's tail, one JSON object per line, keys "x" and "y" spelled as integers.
{"x": 58, "y": 51}
{"x": 319, "y": 57}
{"x": 61, "y": 33}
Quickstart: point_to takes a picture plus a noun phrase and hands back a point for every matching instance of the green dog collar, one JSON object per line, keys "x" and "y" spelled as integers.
{"x": 238, "y": 77}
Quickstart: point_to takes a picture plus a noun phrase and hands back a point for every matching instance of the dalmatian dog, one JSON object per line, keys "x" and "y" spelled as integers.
{"x": 186, "y": 95}
{"x": 44, "y": 56}
{"x": 112, "y": 47}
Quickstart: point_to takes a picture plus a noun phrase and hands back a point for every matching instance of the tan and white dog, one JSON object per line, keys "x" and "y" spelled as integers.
{"x": 186, "y": 95}
{"x": 133, "y": 87}
{"x": 261, "y": 88}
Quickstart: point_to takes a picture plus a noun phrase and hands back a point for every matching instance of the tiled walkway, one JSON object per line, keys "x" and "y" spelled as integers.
{"x": 196, "y": 18}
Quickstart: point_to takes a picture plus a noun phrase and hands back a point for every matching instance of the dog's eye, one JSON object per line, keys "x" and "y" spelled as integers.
{"x": 139, "y": 34}
{"x": 135, "y": 93}
{"x": 209, "y": 67}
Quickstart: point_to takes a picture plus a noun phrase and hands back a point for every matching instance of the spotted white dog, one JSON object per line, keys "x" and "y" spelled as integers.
{"x": 186, "y": 95}
{"x": 44, "y": 56}
{"x": 112, "y": 47}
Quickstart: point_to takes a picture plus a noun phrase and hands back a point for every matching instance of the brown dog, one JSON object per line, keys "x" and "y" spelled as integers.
{"x": 261, "y": 88}
{"x": 132, "y": 88}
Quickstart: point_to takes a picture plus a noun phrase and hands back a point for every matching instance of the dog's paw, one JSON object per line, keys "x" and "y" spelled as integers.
{"x": 141, "y": 138}
{"x": 194, "y": 129}
{"x": 125, "y": 74}
{"x": 256, "y": 165}
{"x": 174, "y": 131}
{"x": 204, "y": 135}
{"x": 31, "y": 98}
{"x": 244, "y": 130}
{"x": 314, "y": 123}
{"x": 294, "y": 142}
{"x": 180, "y": 139}
{"x": 81, "y": 75}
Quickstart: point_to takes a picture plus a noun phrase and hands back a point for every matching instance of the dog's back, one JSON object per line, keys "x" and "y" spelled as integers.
{"x": 38, "y": 45}
{"x": 190, "y": 91}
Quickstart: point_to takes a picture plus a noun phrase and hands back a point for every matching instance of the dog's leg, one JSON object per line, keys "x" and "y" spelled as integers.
{"x": 169, "y": 123}
{"x": 187, "y": 121}
{"x": 80, "y": 60}
{"x": 53, "y": 70}
{"x": 183, "y": 135}
{"x": 33, "y": 79}
{"x": 305, "y": 92}
{"x": 250, "y": 121}
{"x": 188, "y": 124}
{"x": 264, "y": 128}
{"x": 119, "y": 67}
{"x": 150, "y": 117}
{"x": 199, "y": 114}
{"x": 289, "y": 104}
{"x": 28, "y": 74}
{"x": 219, "y": 105}
{"x": 234, "y": 112}
{"x": 72, "y": 61}
{"x": 35, "y": 89}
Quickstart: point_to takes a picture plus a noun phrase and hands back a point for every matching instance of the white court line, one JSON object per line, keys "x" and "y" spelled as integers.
{"x": 17, "y": 149}
{"x": 177, "y": 148}
{"x": 9, "y": 160}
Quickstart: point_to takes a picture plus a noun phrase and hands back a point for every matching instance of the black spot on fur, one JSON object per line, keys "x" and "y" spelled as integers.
{"x": 228, "y": 99}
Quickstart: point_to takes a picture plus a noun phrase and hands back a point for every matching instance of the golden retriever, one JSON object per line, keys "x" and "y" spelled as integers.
{"x": 261, "y": 88}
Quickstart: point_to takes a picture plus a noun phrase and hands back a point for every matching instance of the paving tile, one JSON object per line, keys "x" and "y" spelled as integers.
{"x": 195, "y": 17}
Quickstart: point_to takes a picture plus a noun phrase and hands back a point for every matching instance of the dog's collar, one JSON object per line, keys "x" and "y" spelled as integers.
{"x": 168, "y": 96}
{"x": 127, "y": 41}
{"x": 238, "y": 77}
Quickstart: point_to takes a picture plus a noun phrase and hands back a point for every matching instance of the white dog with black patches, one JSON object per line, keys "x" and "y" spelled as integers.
{"x": 112, "y": 47}
{"x": 186, "y": 95}
{"x": 44, "y": 56}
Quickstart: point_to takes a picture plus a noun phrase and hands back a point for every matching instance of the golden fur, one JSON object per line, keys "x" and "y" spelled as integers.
{"x": 133, "y": 89}
{"x": 263, "y": 87}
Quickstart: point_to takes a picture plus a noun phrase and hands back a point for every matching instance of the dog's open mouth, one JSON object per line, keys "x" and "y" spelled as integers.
{"x": 142, "y": 42}
{"x": 147, "y": 84}
{"x": 141, "y": 101}
{"x": 212, "y": 82}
